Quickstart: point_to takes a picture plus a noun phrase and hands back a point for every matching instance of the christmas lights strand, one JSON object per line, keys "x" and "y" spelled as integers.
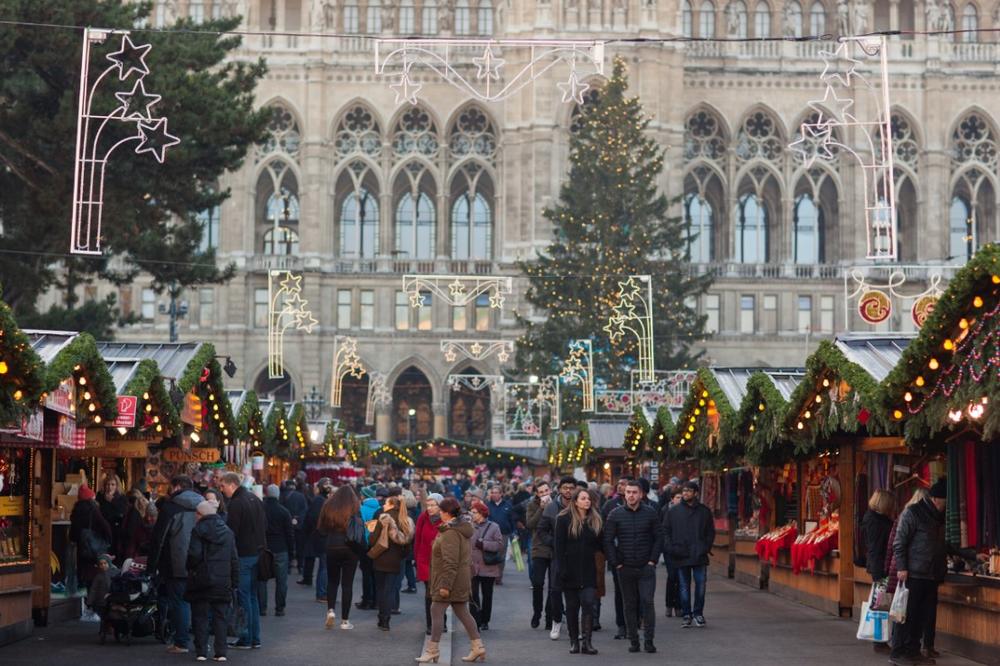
{"x": 634, "y": 313}
{"x": 286, "y": 308}
{"x": 579, "y": 367}
{"x": 345, "y": 362}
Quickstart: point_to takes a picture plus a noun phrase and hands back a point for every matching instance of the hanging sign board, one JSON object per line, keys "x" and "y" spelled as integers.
{"x": 12, "y": 506}
{"x": 62, "y": 399}
{"x": 195, "y": 455}
{"x": 95, "y": 438}
{"x": 127, "y": 405}
{"x": 191, "y": 412}
{"x": 440, "y": 451}
{"x": 123, "y": 448}
{"x": 32, "y": 428}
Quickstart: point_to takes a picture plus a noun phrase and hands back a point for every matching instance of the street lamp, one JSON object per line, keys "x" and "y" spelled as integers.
{"x": 409, "y": 424}
{"x": 314, "y": 403}
{"x": 533, "y": 379}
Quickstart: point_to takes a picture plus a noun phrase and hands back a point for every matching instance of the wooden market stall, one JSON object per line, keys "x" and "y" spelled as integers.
{"x": 944, "y": 393}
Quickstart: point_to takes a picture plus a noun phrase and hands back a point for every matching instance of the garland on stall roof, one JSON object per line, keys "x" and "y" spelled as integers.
{"x": 277, "y": 440}
{"x": 757, "y": 430}
{"x": 203, "y": 375}
{"x": 155, "y": 411}
{"x": 944, "y": 375}
{"x": 22, "y": 375}
{"x": 81, "y": 361}
{"x": 250, "y": 421}
{"x": 662, "y": 433}
{"x": 637, "y": 435}
{"x": 299, "y": 428}
{"x": 705, "y": 403}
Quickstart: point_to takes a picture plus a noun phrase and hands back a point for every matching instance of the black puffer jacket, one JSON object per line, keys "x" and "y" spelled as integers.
{"x": 875, "y": 529}
{"x": 214, "y": 570}
{"x": 919, "y": 547}
{"x": 247, "y": 520}
{"x": 632, "y": 538}
{"x": 688, "y": 534}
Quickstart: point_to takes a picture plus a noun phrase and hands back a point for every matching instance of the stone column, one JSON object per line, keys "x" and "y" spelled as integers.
{"x": 383, "y": 424}
{"x": 440, "y": 419}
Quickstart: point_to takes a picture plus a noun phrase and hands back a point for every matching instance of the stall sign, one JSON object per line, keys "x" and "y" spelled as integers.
{"x": 95, "y": 438}
{"x": 32, "y": 427}
{"x": 62, "y": 399}
{"x": 127, "y": 406}
{"x": 12, "y": 506}
{"x": 125, "y": 448}
{"x": 440, "y": 451}
{"x": 68, "y": 436}
{"x": 195, "y": 455}
{"x": 191, "y": 412}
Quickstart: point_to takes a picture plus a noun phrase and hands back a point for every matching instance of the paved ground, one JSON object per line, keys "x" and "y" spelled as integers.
{"x": 747, "y": 627}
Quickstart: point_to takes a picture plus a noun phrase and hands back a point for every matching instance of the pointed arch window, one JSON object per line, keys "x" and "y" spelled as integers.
{"x": 706, "y": 19}
{"x": 736, "y": 18}
{"x": 429, "y": 19}
{"x": 762, "y": 20}
{"x": 793, "y": 18}
{"x": 471, "y": 227}
{"x": 698, "y": 212}
{"x": 962, "y": 229}
{"x": 416, "y": 221}
{"x": 817, "y": 19}
{"x": 358, "y": 133}
{"x": 473, "y": 134}
{"x": 970, "y": 23}
{"x": 359, "y": 225}
{"x": 277, "y": 210}
{"x": 808, "y": 233}
{"x": 415, "y": 133}
{"x": 687, "y": 19}
{"x": 281, "y": 241}
{"x": 751, "y": 229}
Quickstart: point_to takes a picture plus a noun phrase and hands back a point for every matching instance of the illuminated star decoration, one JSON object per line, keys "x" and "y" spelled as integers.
{"x": 476, "y": 348}
{"x": 456, "y": 288}
{"x": 815, "y": 140}
{"x": 130, "y": 58}
{"x": 406, "y": 88}
{"x": 831, "y": 59}
{"x": 131, "y": 109}
{"x": 573, "y": 89}
{"x": 488, "y": 65}
{"x": 496, "y": 300}
{"x": 503, "y": 355}
{"x": 292, "y": 283}
{"x": 450, "y": 355}
{"x": 155, "y": 139}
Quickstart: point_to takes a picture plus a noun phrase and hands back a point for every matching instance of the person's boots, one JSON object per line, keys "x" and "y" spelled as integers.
{"x": 478, "y": 651}
{"x": 633, "y": 644}
{"x": 574, "y": 640}
{"x": 588, "y": 631}
{"x": 648, "y": 645}
{"x": 431, "y": 653}
{"x": 536, "y": 604}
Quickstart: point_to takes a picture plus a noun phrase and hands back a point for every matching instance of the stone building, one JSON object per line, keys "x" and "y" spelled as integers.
{"x": 355, "y": 191}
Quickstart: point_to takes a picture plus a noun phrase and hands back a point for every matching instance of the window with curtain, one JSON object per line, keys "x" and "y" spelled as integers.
{"x": 706, "y": 19}
{"x": 471, "y": 227}
{"x": 970, "y": 21}
{"x": 751, "y": 230}
{"x": 699, "y": 224}
{"x": 817, "y": 19}
{"x": 687, "y": 19}
{"x": 484, "y": 17}
{"x": 808, "y": 231}
{"x": 359, "y": 225}
{"x": 762, "y": 20}
{"x": 415, "y": 224}
{"x": 962, "y": 227}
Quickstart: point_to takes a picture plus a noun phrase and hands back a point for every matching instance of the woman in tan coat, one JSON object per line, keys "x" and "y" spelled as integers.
{"x": 451, "y": 581}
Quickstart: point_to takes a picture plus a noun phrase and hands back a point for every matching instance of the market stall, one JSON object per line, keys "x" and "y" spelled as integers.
{"x": 944, "y": 392}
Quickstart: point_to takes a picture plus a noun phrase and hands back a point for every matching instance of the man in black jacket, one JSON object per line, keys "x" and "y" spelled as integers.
{"x": 247, "y": 521}
{"x": 613, "y": 503}
{"x": 688, "y": 535}
{"x": 214, "y": 574}
{"x": 298, "y": 506}
{"x": 546, "y": 533}
{"x": 632, "y": 547}
{"x": 281, "y": 543}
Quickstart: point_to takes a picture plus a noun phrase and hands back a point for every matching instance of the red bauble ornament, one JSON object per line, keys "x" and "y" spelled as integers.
{"x": 863, "y": 416}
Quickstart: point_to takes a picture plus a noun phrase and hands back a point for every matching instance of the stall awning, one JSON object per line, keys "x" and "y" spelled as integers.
{"x": 171, "y": 358}
{"x": 877, "y": 354}
{"x": 607, "y": 434}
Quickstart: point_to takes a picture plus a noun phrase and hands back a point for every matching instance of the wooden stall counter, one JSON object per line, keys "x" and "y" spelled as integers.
{"x": 720, "y": 562}
{"x": 748, "y": 569}
{"x": 819, "y": 589}
{"x": 968, "y": 619}
{"x": 16, "y": 588}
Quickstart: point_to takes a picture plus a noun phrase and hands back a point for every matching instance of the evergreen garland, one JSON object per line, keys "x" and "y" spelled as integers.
{"x": 203, "y": 375}
{"x": 692, "y": 430}
{"x": 637, "y": 435}
{"x": 22, "y": 375}
{"x": 662, "y": 433}
{"x": 758, "y": 433}
{"x": 80, "y": 360}
{"x": 250, "y": 421}
{"x": 277, "y": 439}
{"x": 147, "y": 386}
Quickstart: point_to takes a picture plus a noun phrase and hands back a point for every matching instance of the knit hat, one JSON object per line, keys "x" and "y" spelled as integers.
{"x": 85, "y": 493}
{"x": 940, "y": 488}
{"x": 207, "y": 508}
{"x": 437, "y": 497}
{"x": 273, "y": 491}
{"x": 367, "y": 492}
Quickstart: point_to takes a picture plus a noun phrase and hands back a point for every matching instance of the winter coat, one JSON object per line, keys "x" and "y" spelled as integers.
{"x": 137, "y": 534}
{"x": 610, "y": 506}
{"x": 577, "y": 556}
{"x": 280, "y": 535}
{"x": 87, "y": 515}
{"x": 688, "y": 534}
{"x": 369, "y": 508}
{"x": 502, "y": 513}
{"x": 213, "y": 567}
{"x": 423, "y": 540}
{"x": 919, "y": 545}
{"x": 172, "y": 534}
{"x": 546, "y": 530}
{"x": 297, "y": 506}
{"x": 391, "y": 561}
{"x": 533, "y": 518}
{"x": 632, "y": 538}
{"x": 315, "y": 541}
{"x": 450, "y": 559}
{"x": 247, "y": 520}
{"x": 875, "y": 529}
{"x": 114, "y": 511}
{"x": 486, "y": 537}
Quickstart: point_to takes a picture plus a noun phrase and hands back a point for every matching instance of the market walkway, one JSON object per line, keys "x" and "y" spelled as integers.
{"x": 744, "y": 626}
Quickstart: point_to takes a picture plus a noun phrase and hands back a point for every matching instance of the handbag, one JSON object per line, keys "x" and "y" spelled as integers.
{"x": 266, "y": 566}
{"x": 874, "y": 625}
{"x": 236, "y": 622}
{"x": 881, "y": 597}
{"x": 381, "y": 543}
{"x": 897, "y": 610}
{"x": 490, "y": 557}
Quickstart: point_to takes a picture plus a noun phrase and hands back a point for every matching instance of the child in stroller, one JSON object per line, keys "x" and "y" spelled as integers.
{"x": 128, "y": 608}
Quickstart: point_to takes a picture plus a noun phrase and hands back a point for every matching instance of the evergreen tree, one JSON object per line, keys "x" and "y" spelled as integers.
{"x": 150, "y": 209}
{"x": 610, "y": 223}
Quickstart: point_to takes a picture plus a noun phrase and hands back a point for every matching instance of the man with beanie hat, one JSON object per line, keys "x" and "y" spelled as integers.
{"x": 214, "y": 572}
{"x": 281, "y": 542}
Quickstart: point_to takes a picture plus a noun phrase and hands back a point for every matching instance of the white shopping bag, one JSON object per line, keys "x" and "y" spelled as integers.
{"x": 897, "y": 611}
{"x": 874, "y": 625}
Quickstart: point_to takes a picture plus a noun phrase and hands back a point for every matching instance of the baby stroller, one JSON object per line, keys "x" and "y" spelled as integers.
{"x": 130, "y": 609}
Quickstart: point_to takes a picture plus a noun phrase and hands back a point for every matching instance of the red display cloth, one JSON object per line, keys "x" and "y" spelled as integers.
{"x": 767, "y": 546}
{"x": 815, "y": 545}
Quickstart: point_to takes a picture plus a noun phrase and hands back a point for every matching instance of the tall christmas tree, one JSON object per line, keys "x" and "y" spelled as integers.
{"x": 610, "y": 222}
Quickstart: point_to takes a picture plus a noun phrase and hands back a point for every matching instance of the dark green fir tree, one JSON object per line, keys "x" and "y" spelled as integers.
{"x": 611, "y": 222}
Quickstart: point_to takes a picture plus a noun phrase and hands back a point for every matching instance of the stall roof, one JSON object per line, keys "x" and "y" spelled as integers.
{"x": 122, "y": 370}
{"x": 733, "y": 381}
{"x": 607, "y": 434}
{"x": 171, "y": 358}
{"x": 47, "y": 344}
{"x": 236, "y": 398}
{"x": 876, "y": 354}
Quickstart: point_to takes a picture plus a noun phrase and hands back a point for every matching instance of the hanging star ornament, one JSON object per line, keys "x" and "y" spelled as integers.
{"x": 573, "y": 89}
{"x": 155, "y": 139}
{"x": 292, "y": 283}
{"x": 406, "y": 88}
{"x": 416, "y": 300}
{"x": 476, "y": 349}
{"x": 496, "y": 300}
{"x": 304, "y": 321}
{"x": 130, "y": 58}
{"x": 449, "y": 355}
{"x": 132, "y": 102}
{"x": 831, "y": 60}
{"x": 456, "y": 288}
{"x": 814, "y": 142}
{"x": 503, "y": 355}
{"x": 488, "y": 65}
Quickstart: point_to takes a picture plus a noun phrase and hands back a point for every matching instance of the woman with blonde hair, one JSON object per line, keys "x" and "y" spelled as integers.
{"x": 577, "y": 543}
{"x": 875, "y": 528}
{"x": 389, "y": 545}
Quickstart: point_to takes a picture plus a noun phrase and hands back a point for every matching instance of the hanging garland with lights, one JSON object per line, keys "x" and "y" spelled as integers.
{"x": 756, "y": 431}
{"x": 22, "y": 375}
{"x": 835, "y": 396}
{"x": 96, "y": 399}
{"x": 637, "y": 435}
{"x": 299, "y": 428}
{"x": 277, "y": 432}
{"x": 470, "y": 454}
{"x": 701, "y": 422}
{"x": 389, "y": 454}
{"x": 948, "y": 376}
{"x": 156, "y": 417}
{"x": 663, "y": 432}
{"x": 203, "y": 377}
{"x": 250, "y": 422}
{"x": 557, "y": 449}
{"x": 579, "y": 448}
